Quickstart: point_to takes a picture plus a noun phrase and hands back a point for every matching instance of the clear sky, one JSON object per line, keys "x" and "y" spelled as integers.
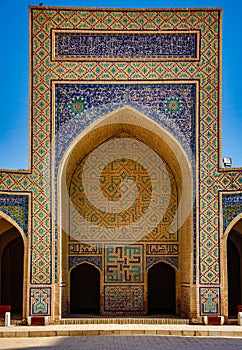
{"x": 14, "y": 90}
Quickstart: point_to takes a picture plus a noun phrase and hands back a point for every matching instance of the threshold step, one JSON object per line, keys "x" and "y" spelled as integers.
{"x": 123, "y": 320}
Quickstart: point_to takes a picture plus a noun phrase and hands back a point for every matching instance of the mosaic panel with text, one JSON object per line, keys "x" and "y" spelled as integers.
{"x": 124, "y": 264}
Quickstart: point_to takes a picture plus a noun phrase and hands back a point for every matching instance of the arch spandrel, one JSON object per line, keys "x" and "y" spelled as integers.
{"x": 9, "y": 222}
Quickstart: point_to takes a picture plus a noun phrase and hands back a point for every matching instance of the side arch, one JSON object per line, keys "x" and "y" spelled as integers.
{"x": 231, "y": 225}
{"x": 14, "y": 266}
{"x": 13, "y": 223}
{"x": 231, "y": 259}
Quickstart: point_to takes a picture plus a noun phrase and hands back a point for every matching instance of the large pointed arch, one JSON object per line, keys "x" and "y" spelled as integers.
{"x": 161, "y": 141}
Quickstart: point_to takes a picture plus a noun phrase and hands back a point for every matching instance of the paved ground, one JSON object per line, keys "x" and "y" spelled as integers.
{"x": 120, "y": 330}
{"x": 121, "y": 337}
{"x": 122, "y": 343}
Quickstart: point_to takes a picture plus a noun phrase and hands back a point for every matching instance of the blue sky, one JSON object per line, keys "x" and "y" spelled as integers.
{"x": 14, "y": 96}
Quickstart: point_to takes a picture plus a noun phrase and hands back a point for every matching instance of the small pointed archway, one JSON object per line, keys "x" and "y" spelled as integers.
{"x": 85, "y": 289}
{"x": 162, "y": 289}
{"x": 11, "y": 268}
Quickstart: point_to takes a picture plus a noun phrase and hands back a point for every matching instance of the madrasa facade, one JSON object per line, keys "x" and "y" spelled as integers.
{"x": 126, "y": 208}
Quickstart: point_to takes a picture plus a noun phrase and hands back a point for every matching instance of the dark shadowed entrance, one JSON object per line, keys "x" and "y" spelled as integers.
{"x": 234, "y": 249}
{"x": 161, "y": 289}
{"x": 85, "y": 290}
{"x": 11, "y": 263}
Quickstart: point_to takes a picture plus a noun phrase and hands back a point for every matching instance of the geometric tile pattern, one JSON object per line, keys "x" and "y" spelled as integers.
{"x": 124, "y": 264}
{"x": 124, "y": 20}
{"x": 17, "y": 207}
{"x": 120, "y": 225}
{"x": 124, "y": 298}
{"x": 206, "y": 72}
{"x": 210, "y": 301}
{"x": 45, "y": 71}
{"x": 40, "y": 299}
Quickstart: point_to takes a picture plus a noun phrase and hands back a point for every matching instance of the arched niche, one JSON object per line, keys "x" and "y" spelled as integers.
{"x": 162, "y": 289}
{"x": 129, "y": 121}
{"x": 231, "y": 260}
{"x": 84, "y": 289}
{"x": 13, "y": 271}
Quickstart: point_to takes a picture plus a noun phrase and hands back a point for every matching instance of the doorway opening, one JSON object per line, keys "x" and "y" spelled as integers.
{"x": 85, "y": 289}
{"x": 161, "y": 289}
{"x": 11, "y": 268}
{"x": 234, "y": 260}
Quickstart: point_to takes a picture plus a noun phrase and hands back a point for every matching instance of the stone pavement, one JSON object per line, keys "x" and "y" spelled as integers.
{"x": 126, "y": 329}
{"x": 122, "y": 343}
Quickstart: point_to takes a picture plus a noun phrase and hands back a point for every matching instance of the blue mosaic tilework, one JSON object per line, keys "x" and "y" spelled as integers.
{"x": 232, "y": 206}
{"x": 210, "y": 301}
{"x": 151, "y": 260}
{"x": 95, "y": 260}
{"x": 40, "y": 301}
{"x": 125, "y": 45}
{"x": 170, "y": 105}
{"x": 208, "y": 74}
{"x": 124, "y": 264}
{"x": 16, "y": 206}
{"x": 123, "y": 298}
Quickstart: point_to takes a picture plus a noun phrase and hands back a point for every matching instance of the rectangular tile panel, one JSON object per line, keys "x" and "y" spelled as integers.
{"x": 113, "y": 45}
